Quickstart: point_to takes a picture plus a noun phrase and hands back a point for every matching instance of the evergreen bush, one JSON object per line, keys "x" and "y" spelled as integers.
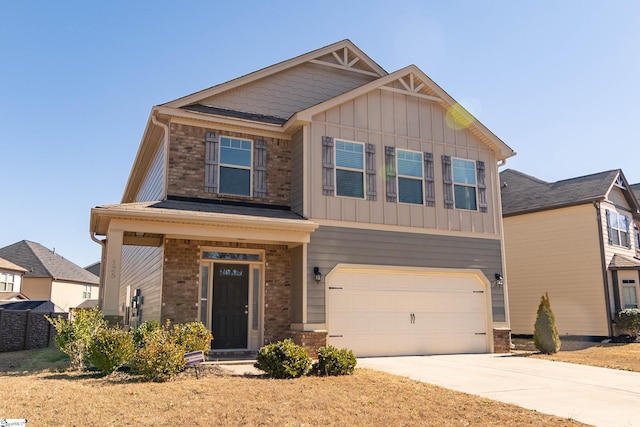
{"x": 159, "y": 357}
{"x": 143, "y": 330}
{"x": 74, "y": 336}
{"x": 193, "y": 336}
{"x": 628, "y": 320}
{"x": 333, "y": 361}
{"x": 111, "y": 348}
{"x": 545, "y": 333}
{"x": 283, "y": 359}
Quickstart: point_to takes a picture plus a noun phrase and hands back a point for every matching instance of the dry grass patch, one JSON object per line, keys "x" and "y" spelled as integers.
{"x": 606, "y": 355}
{"x": 217, "y": 398}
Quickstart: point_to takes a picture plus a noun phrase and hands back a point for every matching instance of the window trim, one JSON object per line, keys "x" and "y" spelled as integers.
{"x": 629, "y": 284}
{"x": 617, "y": 231}
{"x": 362, "y": 171}
{"x": 454, "y": 183}
{"x": 249, "y": 168}
{"x": 4, "y": 284}
{"x": 400, "y": 175}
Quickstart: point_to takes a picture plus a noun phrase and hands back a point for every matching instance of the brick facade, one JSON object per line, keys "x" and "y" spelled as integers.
{"x": 310, "y": 340}
{"x": 187, "y": 160}
{"x": 181, "y": 284}
{"x": 502, "y": 340}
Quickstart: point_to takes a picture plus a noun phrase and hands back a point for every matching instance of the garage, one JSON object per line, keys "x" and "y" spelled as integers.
{"x": 395, "y": 311}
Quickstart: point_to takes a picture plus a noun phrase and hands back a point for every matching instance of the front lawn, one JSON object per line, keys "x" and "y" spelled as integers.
{"x": 49, "y": 397}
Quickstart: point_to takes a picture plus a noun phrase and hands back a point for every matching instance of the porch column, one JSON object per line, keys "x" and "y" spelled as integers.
{"x": 111, "y": 288}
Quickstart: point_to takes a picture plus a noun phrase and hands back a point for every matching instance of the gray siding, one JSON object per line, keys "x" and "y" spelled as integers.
{"x": 296, "y": 174}
{"x": 151, "y": 188}
{"x": 333, "y": 245}
{"x": 142, "y": 269}
{"x": 296, "y": 285}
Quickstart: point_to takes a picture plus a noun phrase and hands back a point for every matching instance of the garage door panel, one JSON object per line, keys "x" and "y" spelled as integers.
{"x": 388, "y": 314}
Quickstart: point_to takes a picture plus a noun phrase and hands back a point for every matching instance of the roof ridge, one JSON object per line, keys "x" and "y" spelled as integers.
{"x": 588, "y": 175}
{"x": 526, "y": 175}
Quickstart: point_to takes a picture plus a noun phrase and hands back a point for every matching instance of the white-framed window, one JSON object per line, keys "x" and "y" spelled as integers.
{"x": 636, "y": 236}
{"x": 235, "y": 172}
{"x": 410, "y": 175}
{"x": 87, "y": 292}
{"x": 7, "y": 281}
{"x": 349, "y": 161}
{"x": 618, "y": 229}
{"x": 464, "y": 184}
{"x": 629, "y": 295}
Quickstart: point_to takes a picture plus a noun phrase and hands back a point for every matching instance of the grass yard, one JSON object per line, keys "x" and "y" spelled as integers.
{"x": 46, "y": 395}
{"x": 610, "y": 355}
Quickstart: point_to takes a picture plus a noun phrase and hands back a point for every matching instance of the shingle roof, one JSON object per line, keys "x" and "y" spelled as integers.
{"x": 636, "y": 190}
{"x": 619, "y": 262}
{"x": 37, "y": 305}
{"x": 524, "y": 193}
{"x": 199, "y": 108}
{"x": 226, "y": 207}
{"x": 42, "y": 262}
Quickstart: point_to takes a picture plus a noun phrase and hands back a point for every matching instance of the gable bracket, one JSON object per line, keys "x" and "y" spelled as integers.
{"x": 344, "y": 63}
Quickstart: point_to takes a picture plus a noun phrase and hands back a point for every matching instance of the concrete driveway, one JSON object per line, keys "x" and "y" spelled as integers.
{"x": 597, "y": 396}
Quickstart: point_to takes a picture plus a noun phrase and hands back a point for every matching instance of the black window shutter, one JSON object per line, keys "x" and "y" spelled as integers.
{"x": 260, "y": 169}
{"x": 390, "y": 173}
{"x": 429, "y": 180}
{"x": 447, "y": 179}
{"x": 211, "y": 162}
{"x": 328, "y": 186}
{"x": 482, "y": 187}
{"x": 609, "y": 230}
{"x": 371, "y": 172}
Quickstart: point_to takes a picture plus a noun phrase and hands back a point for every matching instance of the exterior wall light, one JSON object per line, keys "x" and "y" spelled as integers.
{"x": 498, "y": 280}
{"x": 317, "y": 274}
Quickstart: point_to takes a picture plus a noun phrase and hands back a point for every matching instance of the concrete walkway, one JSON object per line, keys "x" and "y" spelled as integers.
{"x": 597, "y": 396}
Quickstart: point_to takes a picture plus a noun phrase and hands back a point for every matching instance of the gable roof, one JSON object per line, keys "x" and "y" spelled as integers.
{"x": 8, "y": 265}
{"x": 42, "y": 262}
{"x": 636, "y": 190}
{"x": 522, "y": 193}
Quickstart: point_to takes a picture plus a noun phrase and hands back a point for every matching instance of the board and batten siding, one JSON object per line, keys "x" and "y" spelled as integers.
{"x": 297, "y": 172}
{"x": 556, "y": 252}
{"x": 151, "y": 188}
{"x": 384, "y": 119}
{"x": 330, "y": 246}
{"x": 289, "y": 91}
{"x": 142, "y": 269}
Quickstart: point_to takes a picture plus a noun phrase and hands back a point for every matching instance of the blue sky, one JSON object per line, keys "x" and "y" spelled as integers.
{"x": 557, "y": 81}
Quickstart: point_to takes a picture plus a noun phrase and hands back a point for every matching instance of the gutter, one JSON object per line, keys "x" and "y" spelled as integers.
{"x": 605, "y": 276}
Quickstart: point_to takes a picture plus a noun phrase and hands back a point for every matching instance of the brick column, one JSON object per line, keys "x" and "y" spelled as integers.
{"x": 502, "y": 340}
{"x": 310, "y": 340}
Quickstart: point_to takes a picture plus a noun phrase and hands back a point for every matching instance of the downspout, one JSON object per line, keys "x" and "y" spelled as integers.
{"x": 165, "y": 142}
{"x": 103, "y": 245}
{"x": 605, "y": 276}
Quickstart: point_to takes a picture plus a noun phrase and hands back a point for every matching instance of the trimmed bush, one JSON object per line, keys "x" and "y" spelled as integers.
{"x": 143, "y": 330}
{"x": 333, "y": 361}
{"x": 192, "y": 336}
{"x": 160, "y": 357}
{"x": 75, "y": 335}
{"x": 111, "y": 348}
{"x": 545, "y": 332}
{"x": 283, "y": 359}
{"x": 628, "y": 320}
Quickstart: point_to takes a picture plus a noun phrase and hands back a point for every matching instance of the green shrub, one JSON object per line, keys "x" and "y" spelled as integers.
{"x": 628, "y": 320}
{"x": 283, "y": 359}
{"x": 74, "y": 336}
{"x": 160, "y": 357}
{"x": 545, "y": 332}
{"x": 192, "y": 336}
{"x": 111, "y": 348}
{"x": 333, "y": 361}
{"x": 143, "y": 330}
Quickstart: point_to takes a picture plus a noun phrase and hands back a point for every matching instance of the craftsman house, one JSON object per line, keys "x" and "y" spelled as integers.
{"x": 322, "y": 199}
{"x": 575, "y": 239}
{"x": 49, "y": 276}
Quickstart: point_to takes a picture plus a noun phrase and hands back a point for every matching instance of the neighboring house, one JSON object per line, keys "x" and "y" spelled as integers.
{"x": 49, "y": 276}
{"x": 94, "y": 268}
{"x": 576, "y": 240}
{"x": 10, "y": 277}
{"x": 321, "y": 199}
{"x": 37, "y": 306}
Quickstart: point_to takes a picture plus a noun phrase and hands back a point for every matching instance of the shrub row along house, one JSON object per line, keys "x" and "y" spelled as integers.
{"x": 576, "y": 239}
{"x": 321, "y": 199}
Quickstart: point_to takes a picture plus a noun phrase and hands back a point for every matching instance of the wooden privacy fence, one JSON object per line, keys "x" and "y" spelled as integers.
{"x": 25, "y": 329}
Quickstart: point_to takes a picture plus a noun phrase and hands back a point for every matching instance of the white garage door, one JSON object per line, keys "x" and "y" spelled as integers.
{"x": 397, "y": 312}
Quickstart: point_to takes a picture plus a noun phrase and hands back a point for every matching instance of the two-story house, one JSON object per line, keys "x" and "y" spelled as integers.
{"x": 575, "y": 239}
{"x": 321, "y": 199}
{"x": 10, "y": 280}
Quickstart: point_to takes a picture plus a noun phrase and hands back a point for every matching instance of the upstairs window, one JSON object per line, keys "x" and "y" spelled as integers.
{"x": 235, "y": 166}
{"x": 410, "y": 176}
{"x": 7, "y": 281}
{"x": 464, "y": 184}
{"x": 618, "y": 229}
{"x": 87, "y": 292}
{"x": 349, "y": 169}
